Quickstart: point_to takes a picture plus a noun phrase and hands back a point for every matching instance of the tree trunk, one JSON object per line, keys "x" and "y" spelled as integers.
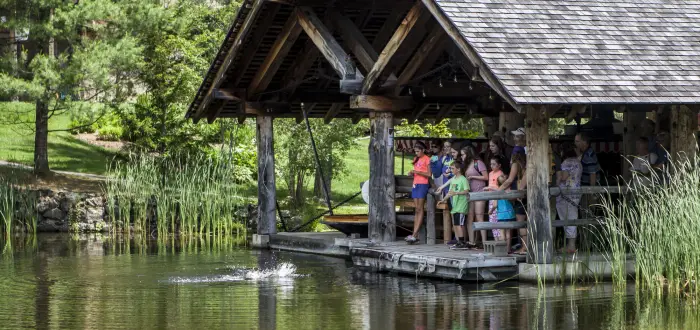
{"x": 318, "y": 185}
{"x": 41, "y": 140}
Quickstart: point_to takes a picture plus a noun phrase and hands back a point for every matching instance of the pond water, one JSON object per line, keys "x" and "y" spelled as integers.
{"x": 59, "y": 281}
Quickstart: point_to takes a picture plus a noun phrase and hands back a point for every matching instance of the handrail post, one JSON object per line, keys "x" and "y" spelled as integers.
{"x": 430, "y": 220}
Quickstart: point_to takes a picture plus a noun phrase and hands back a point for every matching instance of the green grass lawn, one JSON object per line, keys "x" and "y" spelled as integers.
{"x": 66, "y": 152}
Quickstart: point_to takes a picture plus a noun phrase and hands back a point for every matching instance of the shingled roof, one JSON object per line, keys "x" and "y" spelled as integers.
{"x": 573, "y": 51}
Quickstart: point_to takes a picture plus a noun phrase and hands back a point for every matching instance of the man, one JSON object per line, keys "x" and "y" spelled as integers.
{"x": 589, "y": 160}
{"x": 646, "y": 129}
{"x": 589, "y": 175}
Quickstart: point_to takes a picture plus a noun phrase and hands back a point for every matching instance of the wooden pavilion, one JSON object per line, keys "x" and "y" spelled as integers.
{"x": 512, "y": 62}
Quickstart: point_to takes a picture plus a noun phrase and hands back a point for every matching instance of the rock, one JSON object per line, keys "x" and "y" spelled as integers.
{"x": 50, "y": 225}
{"x": 55, "y": 213}
{"x": 45, "y": 204}
{"x": 94, "y": 201}
{"x": 68, "y": 200}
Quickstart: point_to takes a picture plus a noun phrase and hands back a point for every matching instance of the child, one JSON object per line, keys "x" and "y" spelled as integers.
{"x": 459, "y": 188}
{"x": 504, "y": 213}
{"x": 421, "y": 175}
{"x": 496, "y": 172}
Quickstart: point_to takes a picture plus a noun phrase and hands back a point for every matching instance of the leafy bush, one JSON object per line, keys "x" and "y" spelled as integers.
{"x": 109, "y": 133}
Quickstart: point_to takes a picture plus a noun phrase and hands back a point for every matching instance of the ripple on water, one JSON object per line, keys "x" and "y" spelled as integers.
{"x": 282, "y": 271}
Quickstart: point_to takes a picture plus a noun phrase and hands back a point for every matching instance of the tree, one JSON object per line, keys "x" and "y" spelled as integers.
{"x": 74, "y": 51}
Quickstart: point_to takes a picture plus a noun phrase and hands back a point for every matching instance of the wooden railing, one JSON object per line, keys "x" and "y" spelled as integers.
{"x": 404, "y": 185}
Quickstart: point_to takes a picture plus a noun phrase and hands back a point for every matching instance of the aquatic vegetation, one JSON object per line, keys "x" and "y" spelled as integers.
{"x": 17, "y": 209}
{"x": 658, "y": 223}
{"x": 158, "y": 196}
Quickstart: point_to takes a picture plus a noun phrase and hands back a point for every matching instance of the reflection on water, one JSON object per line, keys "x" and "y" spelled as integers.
{"x": 91, "y": 282}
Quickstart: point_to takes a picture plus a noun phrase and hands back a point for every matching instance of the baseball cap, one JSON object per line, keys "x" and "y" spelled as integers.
{"x": 519, "y": 131}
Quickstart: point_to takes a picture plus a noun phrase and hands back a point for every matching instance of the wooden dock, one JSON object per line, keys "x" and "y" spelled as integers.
{"x": 439, "y": 261}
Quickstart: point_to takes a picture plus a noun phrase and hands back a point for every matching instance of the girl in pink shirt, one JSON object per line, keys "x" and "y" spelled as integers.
{"x": 421, "y": 184}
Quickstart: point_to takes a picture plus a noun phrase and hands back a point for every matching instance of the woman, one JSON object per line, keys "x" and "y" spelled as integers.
{"x": 497, "y": 148}
{"x": 421, "y": 183}
{"x": 569, "y": 176}
{"x": 518, "y": 181}
{"x": 478, "y": 176}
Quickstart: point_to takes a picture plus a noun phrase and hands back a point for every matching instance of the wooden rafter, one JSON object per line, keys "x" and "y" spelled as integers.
{"x": 434, "y": 56}
{"x": 420, "y": 109}
{"x": 332, "y": 112}
{"x": 445, "y": 111}
{"x": 326, "y": 44}
{"x": 230, "y": 55}
{"x": 354, "y": 40}
{"x": 469, "y": 52}
{"x": 255, "y": 40}
{"x": 387, "y": 30}
{"x": 290, "y": 33}
{"x": 217, "y": 107}
{"x": 374, "y": 77}
{"x": 423, "y": 52}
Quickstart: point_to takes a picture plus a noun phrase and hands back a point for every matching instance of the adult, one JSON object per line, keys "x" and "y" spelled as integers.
{"x": 496, "y": 148}
{"x": 663, "y": 145}
{"x": 589, "y": 167}
{"x": 421, "y": 183}
{"x": 478, "y": 176}
{"x": 643, "y": 163}
{"x": 589, "y": 160}
{"x": 519, "y": 141}
{"x": 569, "y": 176}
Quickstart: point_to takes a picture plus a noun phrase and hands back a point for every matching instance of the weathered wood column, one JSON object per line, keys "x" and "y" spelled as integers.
{"x": 267, "y": 223}
{"x": 539, "y": 228}
{"x": 684, "y": 125}
{"x": 382, "y": 187}
{"x": 631, "y": 122}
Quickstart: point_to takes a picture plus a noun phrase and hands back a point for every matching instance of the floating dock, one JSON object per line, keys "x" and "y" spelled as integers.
{"x": 439, "y": 261}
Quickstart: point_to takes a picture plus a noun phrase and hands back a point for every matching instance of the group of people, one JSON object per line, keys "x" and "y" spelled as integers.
{"x": 455, "y": 170}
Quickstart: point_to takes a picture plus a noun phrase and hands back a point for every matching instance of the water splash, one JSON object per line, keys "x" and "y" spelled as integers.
{"x": 283, "y": 271}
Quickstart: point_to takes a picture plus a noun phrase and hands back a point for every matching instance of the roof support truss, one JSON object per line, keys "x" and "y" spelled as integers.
{"x": 326, "y": 44}
{"x": 374, "y": 77}
{"x": 274, "y": 58}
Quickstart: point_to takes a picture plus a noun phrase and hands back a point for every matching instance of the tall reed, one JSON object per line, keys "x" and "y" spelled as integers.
{"x": 17, "y": 209}
{"x": 658, "y": 222}
{"x": 185, "y": 195}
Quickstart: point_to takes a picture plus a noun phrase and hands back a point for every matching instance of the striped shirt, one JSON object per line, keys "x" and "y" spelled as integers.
{"x": 589, "y": 162}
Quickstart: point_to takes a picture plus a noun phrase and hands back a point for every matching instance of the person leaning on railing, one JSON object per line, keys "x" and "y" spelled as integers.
{"x": 590, "y": 167}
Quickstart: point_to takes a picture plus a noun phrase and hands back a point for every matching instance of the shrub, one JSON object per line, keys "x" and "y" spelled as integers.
{"x": 109, "y": 133}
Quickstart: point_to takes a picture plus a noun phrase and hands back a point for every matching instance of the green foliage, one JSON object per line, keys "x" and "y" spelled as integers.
{"x": 437, "y": 130}
{"x": 109, "y": 133}
{"x": 296, "y": 157}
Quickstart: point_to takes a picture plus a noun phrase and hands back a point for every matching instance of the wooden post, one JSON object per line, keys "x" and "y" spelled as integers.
{"x": 382, "y": 186}
{"x": 267, "y": 223}
{"x": 509, "y": 121}
{"x": 430, "y": 220}
{"x": 632, "y": 122}
{"x": 540, "y": 241}
{"x": 684, "y": 125}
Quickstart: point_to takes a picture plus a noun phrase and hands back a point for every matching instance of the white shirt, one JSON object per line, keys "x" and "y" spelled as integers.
{"x": 643, "y": 163}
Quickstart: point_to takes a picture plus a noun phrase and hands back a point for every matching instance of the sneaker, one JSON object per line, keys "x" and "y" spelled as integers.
{"x": 410, "y": 239}
{"x": 452, "y": 242}
{"x": 459, "y": 246}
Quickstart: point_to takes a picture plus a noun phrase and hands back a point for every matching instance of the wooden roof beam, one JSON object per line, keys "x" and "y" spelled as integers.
{"x": 469, "y": 52}
{"x": 332, "y": 112}
{"x": 255, "y": 40}
{"x": 445, "y": 111}
{"x": 424, "y": 51}
{"x": 290, "y": 33}
{"x": 326, "y": 44}
{"x": 387, "y": 29}
{"x": 230, "y": 55}
{"x": 381, "y": 103}
{"x": 420, "y": 109}
{"x": 373, "y": 79}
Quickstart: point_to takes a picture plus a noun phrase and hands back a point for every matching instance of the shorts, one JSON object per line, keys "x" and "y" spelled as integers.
{"x": 420, "y": 191}
{"x": 458, "y": 219}
{"x": 506, "y": 220}
{"x": 520, "y": 207}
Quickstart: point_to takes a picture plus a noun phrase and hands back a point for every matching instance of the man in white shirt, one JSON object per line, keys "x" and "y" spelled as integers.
{"x": 643, "y": 162}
